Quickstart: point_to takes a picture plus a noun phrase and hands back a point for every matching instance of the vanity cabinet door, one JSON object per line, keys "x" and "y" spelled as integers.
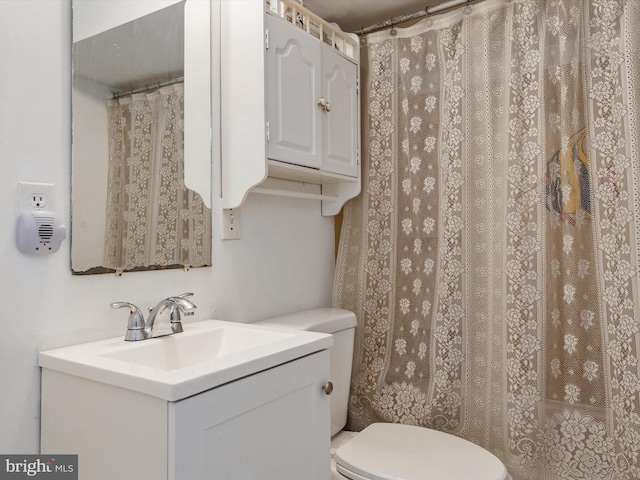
{"x": 293, "y": 90}
{"x": 340, "y": 121}
{"x": 273, "y": 425}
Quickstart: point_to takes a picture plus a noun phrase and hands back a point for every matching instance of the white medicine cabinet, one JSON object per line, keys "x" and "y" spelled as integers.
{"x": 311, "y": 102}
{"x": 289, "y": 103}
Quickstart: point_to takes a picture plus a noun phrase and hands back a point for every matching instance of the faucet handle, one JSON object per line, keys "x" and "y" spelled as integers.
{"x": 181, "y": 305}
{"x": 135, "y": 325}
{"x": 182, "y": 295}
{"x": 188, "y": 312}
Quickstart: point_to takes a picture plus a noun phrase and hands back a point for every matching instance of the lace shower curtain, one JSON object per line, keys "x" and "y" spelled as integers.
{"x": 152, "y": 218}
{"x": 492, "y": 258}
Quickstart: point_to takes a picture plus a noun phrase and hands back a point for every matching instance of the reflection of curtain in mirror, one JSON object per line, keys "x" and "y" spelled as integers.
{"x": 492, "y": 259}
{"x": 152, "y": 218}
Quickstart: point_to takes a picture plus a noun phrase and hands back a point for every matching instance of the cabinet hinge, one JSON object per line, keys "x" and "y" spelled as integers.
{"x": 358, "y": 155}
{"x": 268, "y": 133}
{"x": 266, "y": 39}
{"x": 358, "y": 86}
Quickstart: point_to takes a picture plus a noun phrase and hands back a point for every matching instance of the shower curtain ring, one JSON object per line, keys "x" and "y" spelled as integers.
{"x": 428, "y": 20}
{"x": 393, "y": 32}
{"x": 467, "y": 10}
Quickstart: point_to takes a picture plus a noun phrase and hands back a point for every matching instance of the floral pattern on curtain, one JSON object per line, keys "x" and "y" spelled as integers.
{"x": 152, "y": 218}
{"x": 492, "y": 258}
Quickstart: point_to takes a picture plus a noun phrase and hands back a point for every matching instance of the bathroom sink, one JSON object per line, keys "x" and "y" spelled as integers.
{"x": 207, "y": 354}
{"x": 175, "y": 352}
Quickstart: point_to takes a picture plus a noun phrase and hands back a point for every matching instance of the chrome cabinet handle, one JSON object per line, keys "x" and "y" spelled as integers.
{"x": 322, "y": 103}
{"x": 328, "y": 388}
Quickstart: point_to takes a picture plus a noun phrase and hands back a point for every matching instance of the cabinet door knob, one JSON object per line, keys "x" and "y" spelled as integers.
{"x": 328, "y": 388}
{"x": 322, "y": 103}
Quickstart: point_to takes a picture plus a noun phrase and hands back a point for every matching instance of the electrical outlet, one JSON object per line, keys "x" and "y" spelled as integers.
{"x": 38, "y": 200}
{"x": 36, "y": 196}
{"x": 230, "y": 224}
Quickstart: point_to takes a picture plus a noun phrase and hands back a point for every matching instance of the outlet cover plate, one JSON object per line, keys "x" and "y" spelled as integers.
{"x": 44, "y": 192}
{"x": 230, "y": 224}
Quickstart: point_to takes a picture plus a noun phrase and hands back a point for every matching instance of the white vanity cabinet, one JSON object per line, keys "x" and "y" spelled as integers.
{"x": 270, "y": 425}
{"x": 289, "y": 102}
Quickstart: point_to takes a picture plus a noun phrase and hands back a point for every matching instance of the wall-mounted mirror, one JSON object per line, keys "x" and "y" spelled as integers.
{"x": 141, "y": 121}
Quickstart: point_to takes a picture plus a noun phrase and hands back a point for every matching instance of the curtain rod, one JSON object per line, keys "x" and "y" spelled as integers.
{"x": 146, "y": 88}
{"x": 412, "y": 16}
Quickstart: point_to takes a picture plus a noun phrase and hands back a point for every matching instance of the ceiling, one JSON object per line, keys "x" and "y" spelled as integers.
{"x": 352, "y": 15}
{"x": 110, "y": 58}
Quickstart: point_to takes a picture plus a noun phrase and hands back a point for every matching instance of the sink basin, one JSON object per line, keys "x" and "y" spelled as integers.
{"x": 207, "y": 354}
{"x": 179, "y": 351}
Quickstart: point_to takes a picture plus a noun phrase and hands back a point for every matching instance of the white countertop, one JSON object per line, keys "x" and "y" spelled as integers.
{"x": 98, "y": 361}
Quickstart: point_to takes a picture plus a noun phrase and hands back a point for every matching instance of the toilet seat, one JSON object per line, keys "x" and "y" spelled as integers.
{"x": 386, "y": 451}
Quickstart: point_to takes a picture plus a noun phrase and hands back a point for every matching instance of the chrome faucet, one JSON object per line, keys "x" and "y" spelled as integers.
{"x": 164, "y": 319}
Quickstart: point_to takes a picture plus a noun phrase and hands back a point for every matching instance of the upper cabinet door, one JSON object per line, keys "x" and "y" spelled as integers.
{"x": 293, "y": 63}
{"x": 340, "y": 115}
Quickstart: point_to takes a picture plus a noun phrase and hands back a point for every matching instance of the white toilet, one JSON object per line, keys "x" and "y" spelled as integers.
{"x": 385, "y": 451}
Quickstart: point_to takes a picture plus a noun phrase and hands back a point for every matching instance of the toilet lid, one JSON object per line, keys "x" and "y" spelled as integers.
{"x": 386, "y": 451}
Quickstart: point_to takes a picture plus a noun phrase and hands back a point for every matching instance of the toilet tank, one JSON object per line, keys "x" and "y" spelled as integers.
{"x": 341, "y": 324}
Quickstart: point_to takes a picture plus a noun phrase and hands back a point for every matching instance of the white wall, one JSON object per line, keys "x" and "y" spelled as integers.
{"x": 283, "y": 263}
